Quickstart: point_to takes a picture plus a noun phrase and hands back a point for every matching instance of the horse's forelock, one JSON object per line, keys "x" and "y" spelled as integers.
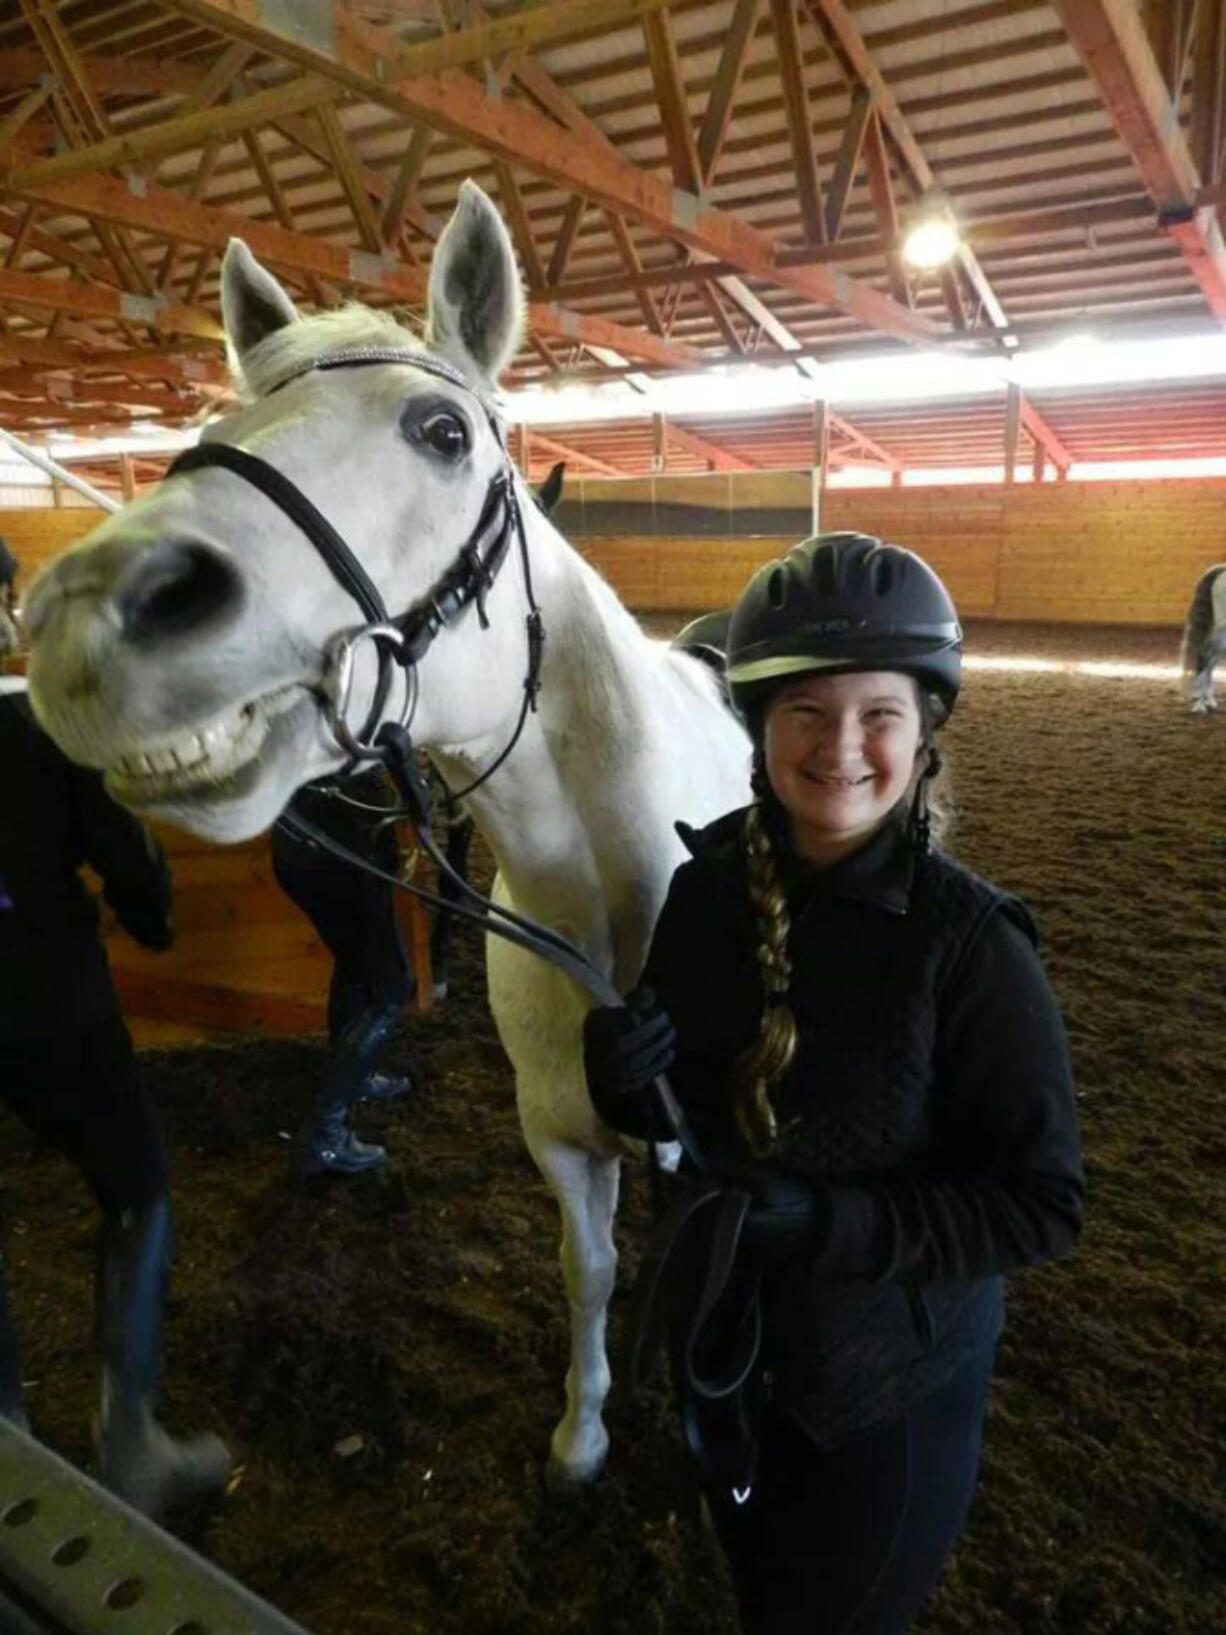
{"x": 290, "y": 349}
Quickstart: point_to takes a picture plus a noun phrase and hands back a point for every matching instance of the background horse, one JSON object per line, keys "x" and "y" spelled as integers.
{"x": 185, "y": 648}
{"x": 1204, "y": 638}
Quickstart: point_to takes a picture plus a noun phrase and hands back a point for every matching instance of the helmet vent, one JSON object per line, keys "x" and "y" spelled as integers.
{"x": 883, "y": 575}
{"x": 777, "y": 588}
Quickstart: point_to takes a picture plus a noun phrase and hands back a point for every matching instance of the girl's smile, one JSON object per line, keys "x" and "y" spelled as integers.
{"x": 841, "y": 753}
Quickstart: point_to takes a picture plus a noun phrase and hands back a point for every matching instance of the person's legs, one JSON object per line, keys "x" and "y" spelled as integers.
{"x": 82, "y": 1093}
{"x": 850, "y": 1540}
{"x": 370, "y": 980}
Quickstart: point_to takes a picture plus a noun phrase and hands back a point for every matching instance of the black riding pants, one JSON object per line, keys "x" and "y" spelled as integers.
{"x": 356, "y": 920}
{"x": 81, "y": 1093}
{"x": 850, "y": 1540}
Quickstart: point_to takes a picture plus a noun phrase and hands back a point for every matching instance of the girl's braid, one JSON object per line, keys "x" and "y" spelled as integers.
{"x": 759, "y": 1068}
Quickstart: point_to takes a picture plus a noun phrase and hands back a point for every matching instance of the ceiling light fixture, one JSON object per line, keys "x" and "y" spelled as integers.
{"x": 932, "y": 236}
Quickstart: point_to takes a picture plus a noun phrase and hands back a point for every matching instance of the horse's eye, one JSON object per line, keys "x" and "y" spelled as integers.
{"x": 447, "y": 434}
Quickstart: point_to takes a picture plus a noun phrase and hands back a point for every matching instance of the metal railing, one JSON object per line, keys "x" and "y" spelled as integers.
{"x": 75, "y": 1560}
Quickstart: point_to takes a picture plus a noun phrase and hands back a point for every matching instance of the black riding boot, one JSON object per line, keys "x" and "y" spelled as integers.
{"x": 11, "y": 1407}
{"x": 138, "y": 1460}
{"x": 326, "y": 1143}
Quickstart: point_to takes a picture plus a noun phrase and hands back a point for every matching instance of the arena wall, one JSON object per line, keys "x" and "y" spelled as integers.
{"x": 1083, "y": 553}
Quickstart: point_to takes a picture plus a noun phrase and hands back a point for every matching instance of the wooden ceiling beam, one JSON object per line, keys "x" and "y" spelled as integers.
{"x": 40, "y": 354}
{"x": 845, "y": 165}
{"x": 720, "y": 458}
{"x": 386, "y": 59}
{"x": 176, "y": 135}
{"x": 1041, "y": 429}
{"x": 844, "y": 38}
{"x": 136, "y": 75}
{"x": 345, "y": 168}
{"x": 95, "y": 301}
{"x": 841, "y": 34}
{"x": 23, "y": 113}
{"x": 799, "y": 119}
{"x": 672, "y": 101}
{"x": 521, "y": 228}
{"x": 49, "y": 244}
{"x": 565, "y": 241}
{"x": 576, "y": 456}
{"x": 1109, "y": 37}
{"x": 882, "y": 190}
{"x": 206, "y": 225}
{"x": 709, "y": 293}
{"x": 722, "y": 95}
{"x": 401, "y": 199}
{"x": 455, "y": 103}
{"x": 630, "y": 260}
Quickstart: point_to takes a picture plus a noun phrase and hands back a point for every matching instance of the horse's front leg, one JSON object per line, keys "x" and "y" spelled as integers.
{"x": 585, "y": 1185}
{"x": 1201, "y": 691}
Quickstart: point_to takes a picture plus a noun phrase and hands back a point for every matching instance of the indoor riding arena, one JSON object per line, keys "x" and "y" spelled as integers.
{"x": 736, "y": 334}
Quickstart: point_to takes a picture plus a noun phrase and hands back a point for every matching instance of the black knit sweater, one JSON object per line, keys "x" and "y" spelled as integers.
{"x": 930, "y": 1098}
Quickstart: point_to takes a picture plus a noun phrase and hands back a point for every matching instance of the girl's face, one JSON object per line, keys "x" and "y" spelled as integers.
{"x": 841, "y": 752}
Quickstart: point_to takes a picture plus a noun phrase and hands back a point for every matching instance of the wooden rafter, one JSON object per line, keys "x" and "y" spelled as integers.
{"x": 521, "y": 227}
{"x": 454, "y": 103}
{"x": 347, "y": 173}
{"x": 718, "y": 115}
{"x": 401, "y": 197}
{"x": 564, "y": 243}
{"x": 1110, "y": 39}
{"x": 848, "y": 159}
{"x": 674, "y": 107}
{"x": 71, "y": 295}
{"x": 1207, "y": 78}
{"x": 574, "y": 456}
{"x": 861, "y": 440}
{"x": 844, "y": 39}
{"x": 720, "y": 458}
{"x": 882, "y": 189}
{"x": 83, "y": 122}
{"x": 709, "y": 293}
{"x": 800, "y": 124}
{"x": 107, "y": 199}
{"x": 630, "y": 260}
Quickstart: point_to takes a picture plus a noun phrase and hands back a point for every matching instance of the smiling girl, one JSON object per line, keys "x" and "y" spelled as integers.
{"x": 865, "y": 1044}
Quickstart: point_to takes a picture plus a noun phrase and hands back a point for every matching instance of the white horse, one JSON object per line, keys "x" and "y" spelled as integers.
{"x": 183, "y": 648}
{"x": 1204, "y": 638}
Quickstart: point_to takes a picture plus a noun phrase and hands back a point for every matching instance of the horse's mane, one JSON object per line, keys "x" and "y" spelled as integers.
{"x": 287, "y": 349}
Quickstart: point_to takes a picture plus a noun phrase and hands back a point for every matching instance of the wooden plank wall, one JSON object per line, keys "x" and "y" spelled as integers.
{"x": 1081, "y": 553}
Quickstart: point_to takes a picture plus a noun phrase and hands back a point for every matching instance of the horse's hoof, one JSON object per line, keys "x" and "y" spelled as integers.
{"x": 568, "y": 1481}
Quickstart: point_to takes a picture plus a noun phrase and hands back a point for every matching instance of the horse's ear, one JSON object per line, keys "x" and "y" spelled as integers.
{"x": 476, "y": 303}
{"x": 253, "y": 304}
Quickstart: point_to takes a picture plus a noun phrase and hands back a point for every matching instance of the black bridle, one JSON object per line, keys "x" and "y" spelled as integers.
{"x": 403, "y": 640}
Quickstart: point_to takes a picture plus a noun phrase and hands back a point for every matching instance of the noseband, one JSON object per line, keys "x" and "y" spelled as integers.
{"x": 404, "y": 639}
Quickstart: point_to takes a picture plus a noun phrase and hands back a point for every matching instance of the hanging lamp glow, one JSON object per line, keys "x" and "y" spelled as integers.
{"x": 932, "y": 237}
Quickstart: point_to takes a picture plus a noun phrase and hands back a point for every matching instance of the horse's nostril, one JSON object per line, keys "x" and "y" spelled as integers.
{"x": 175, "y": 587}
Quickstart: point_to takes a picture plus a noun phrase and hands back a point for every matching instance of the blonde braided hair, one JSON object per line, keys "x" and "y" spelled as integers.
{"x": 762, "y": 1064}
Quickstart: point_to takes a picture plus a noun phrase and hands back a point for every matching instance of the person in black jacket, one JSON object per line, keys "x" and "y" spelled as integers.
{"x": 68, "y": 1071}
{"x": 875, "y": 1073}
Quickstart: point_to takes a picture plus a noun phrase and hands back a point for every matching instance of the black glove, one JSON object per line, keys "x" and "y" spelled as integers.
{"x": 789, "y": 1213}
{"x": 625, "y": 1048}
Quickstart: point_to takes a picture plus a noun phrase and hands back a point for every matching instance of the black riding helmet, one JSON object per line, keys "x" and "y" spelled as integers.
{"x": 839, "y": 603}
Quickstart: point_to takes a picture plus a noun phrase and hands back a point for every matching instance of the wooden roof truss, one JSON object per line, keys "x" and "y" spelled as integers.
{"x": 686, "y": 182}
